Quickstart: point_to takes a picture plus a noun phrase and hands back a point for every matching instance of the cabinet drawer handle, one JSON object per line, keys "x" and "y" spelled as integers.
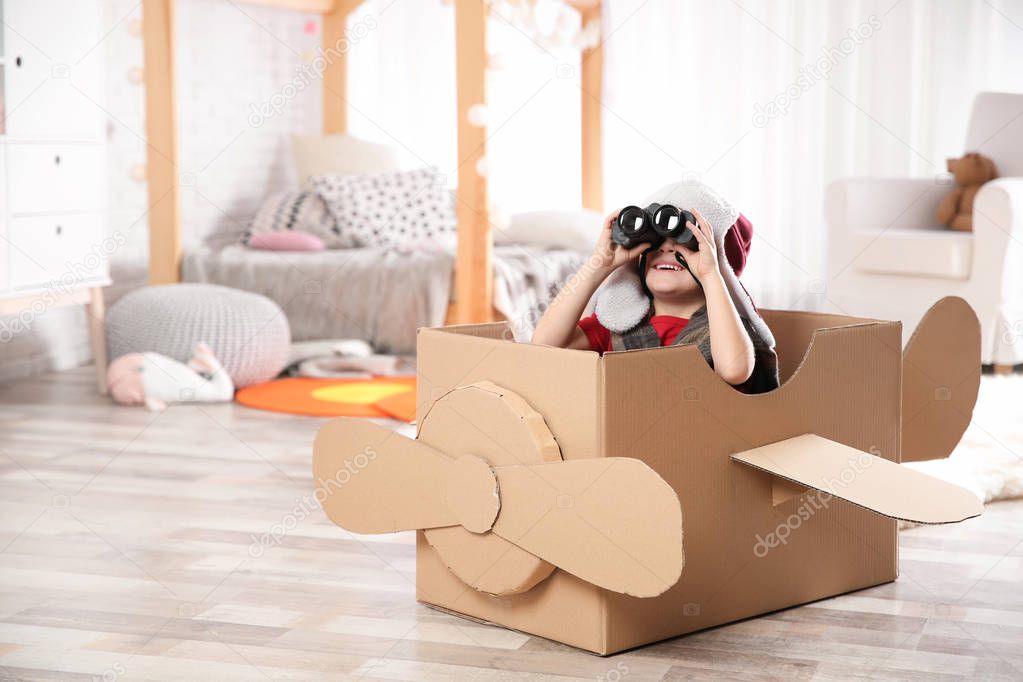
{"x": 56, "y": 160}
{"x": 17, "y": 61}
{"x": 59, "y": 229}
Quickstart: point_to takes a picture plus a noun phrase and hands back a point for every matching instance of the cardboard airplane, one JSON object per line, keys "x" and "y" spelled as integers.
{"x": 548, "y": 485}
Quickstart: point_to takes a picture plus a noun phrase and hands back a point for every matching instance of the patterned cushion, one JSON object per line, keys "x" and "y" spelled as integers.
{"x": 248, "y": 333}
{"x": 390, "y": 209}
{"x": 294, "y": 210}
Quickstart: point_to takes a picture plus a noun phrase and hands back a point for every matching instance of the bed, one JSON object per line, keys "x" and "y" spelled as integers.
{"x": 380, "y": 295}
{"x": 475, "y": 283}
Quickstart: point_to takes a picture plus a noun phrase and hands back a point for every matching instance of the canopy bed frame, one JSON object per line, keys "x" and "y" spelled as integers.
{"x": 473, "y": 288}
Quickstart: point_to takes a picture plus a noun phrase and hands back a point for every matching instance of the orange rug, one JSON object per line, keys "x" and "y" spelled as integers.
{"x": 393, "y": 397}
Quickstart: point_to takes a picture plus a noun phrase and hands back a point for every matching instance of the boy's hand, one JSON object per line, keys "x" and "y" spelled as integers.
{"x": 704, "y": 261}
{"x": 609, "y": 256}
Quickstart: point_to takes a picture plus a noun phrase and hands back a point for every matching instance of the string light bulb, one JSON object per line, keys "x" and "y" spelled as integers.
{"x": 478, "y": 115}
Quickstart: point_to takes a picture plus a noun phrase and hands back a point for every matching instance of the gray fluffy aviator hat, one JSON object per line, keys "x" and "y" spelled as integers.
{"x": 621, "y": 302}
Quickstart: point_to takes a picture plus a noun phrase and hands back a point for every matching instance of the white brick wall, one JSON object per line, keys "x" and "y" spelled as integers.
{"x": 228, "y": 59}
{"x": 126, "y": 128}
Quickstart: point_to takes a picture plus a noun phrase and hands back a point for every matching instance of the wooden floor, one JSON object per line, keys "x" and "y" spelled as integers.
{"x": 184, "y": 546}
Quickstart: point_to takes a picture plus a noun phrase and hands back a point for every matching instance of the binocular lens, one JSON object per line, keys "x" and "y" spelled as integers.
{"x": 653, "y": 224}
{"x": 666, "y": 220}
{"x": 671, "y": 222}
{"x": 632, "y": 220}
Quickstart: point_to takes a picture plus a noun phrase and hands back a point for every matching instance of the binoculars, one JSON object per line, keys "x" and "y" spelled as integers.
{"x": 654, "y": 224}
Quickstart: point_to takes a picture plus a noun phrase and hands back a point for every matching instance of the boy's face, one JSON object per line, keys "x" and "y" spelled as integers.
{"x": 666, "y": 273}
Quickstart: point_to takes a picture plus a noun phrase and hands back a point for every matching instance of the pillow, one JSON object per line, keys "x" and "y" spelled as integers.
{"x": 287, "y": 240}
{"x": 390, "y": 209}
{"x": 341, "y": 155}
{"x": 294, "y": 210}
{"x": 576, "y": 230}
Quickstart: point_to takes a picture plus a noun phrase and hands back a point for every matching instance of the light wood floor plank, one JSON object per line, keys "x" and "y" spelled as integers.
{"x": 186, "y": 545}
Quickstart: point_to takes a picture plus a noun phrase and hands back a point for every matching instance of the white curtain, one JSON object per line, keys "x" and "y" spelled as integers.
{"x": 401, "y": 86}
{"x": 402, "y": 93}
{"x": 689, "y": 88}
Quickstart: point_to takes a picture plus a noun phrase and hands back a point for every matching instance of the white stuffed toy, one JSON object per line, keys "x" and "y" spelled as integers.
{"x": 156, "y": 380}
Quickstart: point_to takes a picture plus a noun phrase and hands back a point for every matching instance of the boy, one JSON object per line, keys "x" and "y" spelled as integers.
{"x": 671, "y": 295}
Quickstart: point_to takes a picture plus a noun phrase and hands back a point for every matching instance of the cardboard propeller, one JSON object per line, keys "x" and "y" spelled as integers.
{"x": 613, "y": 522}
{"x": 485, "y": 481}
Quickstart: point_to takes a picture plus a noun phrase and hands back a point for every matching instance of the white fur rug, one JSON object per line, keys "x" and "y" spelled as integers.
{"x": 989, "y": 459}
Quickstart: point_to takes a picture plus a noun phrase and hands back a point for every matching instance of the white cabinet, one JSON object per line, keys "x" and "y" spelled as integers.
{"x": 53, "y": 60}
{"x": 53, "y": 222}
{"x": 57, "y": 251}
{"x": 53, "y": 168}
{"x": 55, "y": 177}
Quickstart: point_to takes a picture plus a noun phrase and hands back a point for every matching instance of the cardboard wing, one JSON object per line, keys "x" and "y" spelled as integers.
{"x": 610, "y": 521}
{"x": 863, "y": 479}
{"x": 940, "y": 380}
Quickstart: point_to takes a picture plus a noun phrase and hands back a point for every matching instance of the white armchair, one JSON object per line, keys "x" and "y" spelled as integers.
{"x": 888, "y": 257}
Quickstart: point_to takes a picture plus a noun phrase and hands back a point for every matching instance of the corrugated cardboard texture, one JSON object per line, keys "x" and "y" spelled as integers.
{"x": 404, "y": 489}
{"x": 866, "y": 480}
{"x": 471, "y": 493}
{"x": 564, "y": 387}
{"x": 744, "y": 555}
{"x": 666, "y": 407}
{"x": 559, "y": 384}
{"x": 797, "y": 327}
{"x": 562, "y": 607}
{"x": 467, "y": 421}
{"x": 941, "y": 378}
{"x": 612, "y": 522}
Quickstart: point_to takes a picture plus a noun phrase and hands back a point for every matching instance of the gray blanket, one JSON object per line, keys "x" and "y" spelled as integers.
{"x": 526, "y": 280}
{"x": 376, "y": 294}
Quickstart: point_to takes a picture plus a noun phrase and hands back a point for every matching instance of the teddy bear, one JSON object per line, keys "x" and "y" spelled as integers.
{"x": 970, "y": 172}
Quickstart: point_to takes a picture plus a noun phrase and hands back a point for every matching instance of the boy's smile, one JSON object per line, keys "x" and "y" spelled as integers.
{"x": 666, "y": 273}
{"x": 671, "y": 267}
{"x": 664, "y": 262}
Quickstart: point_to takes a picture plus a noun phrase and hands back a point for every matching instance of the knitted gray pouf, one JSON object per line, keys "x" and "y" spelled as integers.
{"x": 248, "y": 333}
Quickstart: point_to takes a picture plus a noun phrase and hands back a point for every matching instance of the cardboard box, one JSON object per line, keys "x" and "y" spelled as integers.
{"x": 784, "y": 498}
